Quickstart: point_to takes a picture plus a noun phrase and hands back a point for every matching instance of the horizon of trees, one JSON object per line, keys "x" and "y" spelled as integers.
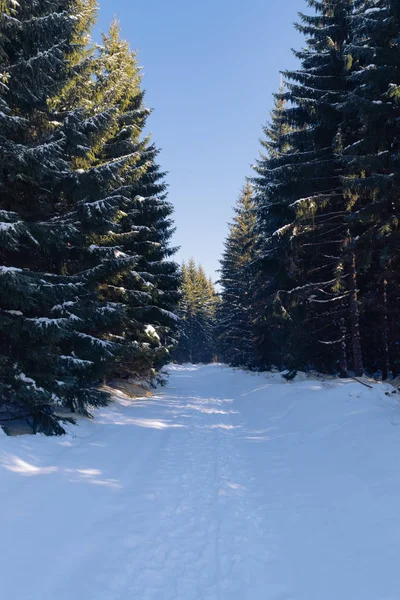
{"x": 197, "y": 314}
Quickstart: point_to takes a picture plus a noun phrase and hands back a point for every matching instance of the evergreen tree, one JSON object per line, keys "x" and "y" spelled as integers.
{"x": 74, "y": 226}
{"x": 197, "y": 343}
{"x": 370, "y": 155}
{"x": 36, "y": 373}
{"x": 147, "y": 281}
{"x": 324, "y": 277}
{"x": 274, "y": 327}
{"x": 323, "y": 244}
{"x": 234, "y": 323}
{"x": 312, "y": 250}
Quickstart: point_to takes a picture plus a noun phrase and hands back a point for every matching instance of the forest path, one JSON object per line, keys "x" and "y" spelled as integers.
{"x": 224, "y": 486}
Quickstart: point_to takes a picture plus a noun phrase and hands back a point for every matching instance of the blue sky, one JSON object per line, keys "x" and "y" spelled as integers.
{"x": 210, "y": 69}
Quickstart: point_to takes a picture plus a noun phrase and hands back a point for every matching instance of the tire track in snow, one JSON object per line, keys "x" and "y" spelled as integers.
{"x": 181, "y": 506}
{"x": 247, "y": 546}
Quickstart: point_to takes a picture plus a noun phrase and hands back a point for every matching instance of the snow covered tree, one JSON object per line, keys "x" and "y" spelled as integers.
{"x": 151, "y": 289}
{"x": 73, "y": 215}
{"x": 146, "y": 282}
{"x": 322, "y": 243}
{"x": 234, "y": 316}
{"x": 197, "y": 308}
{"x": 271, "y": 273}
{"x": 370, "y": 155}
{"x": 305, "y": 253}
{"x": 324, "y": 277}
{"x": 36, "y": 374}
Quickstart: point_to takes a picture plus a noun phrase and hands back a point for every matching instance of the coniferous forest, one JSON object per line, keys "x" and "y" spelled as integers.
{"x": 232, "y": 437}
{"x": 197, "y": 317}
{"x": 89, "y": 289}
{"x": 311, "y": 268}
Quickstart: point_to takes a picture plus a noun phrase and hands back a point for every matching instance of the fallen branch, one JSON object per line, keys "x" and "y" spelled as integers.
{"x": 362, "y": 382}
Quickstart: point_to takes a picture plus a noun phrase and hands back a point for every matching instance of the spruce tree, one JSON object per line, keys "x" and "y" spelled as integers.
{"x": 36, "y": 373}
{"x": 146, "y": 283}
{"x": 73, "y": 169}
{"x": 234, "y": 316}
{"x": 150, "y": 290}
{"x": 324, "y": 276}
{"x": 274, "y": 327}
{"x": 370, "y": 156}
{"x": 318, "y": 296}
{"x": 197, "y": 309}
{"x": 324, "y": 246}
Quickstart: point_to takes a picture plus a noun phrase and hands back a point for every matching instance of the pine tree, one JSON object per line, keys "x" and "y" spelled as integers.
{"x": 317, "y": 297}
{"x": 271, "y": 271}
{"x": 197, "y": 309}
{"x": 234, "y": 317}
{"x": 325, "y": 270}
{"x": 146, "y": 283}
{"x": 80, "y": 87}
{"x": 370, "y": 155}
{"x": 151, "y": 288}
{"x": 72, "y": 171}
{"x": 325, "y": 246}
{"x": 37, "y": 42}
{"x": 92, "y": 204}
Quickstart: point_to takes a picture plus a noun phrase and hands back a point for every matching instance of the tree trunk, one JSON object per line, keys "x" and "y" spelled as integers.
{"x": 385, "y": 334}
{"x": 343, "y": 350}
{"x": 355, "y": 317}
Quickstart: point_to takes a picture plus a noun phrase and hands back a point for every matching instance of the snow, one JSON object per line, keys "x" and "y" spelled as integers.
{"x": 223, "y": 486}
{"x": 375, "y": 9}
{"x": 63, "y": 306}
{"x": 29, "y": 381}
{"x": 4, "y": 269}
{"x": 151, "y": 332}
{"x": 10, "y": 226}
{"x": 46, "y": 322}
{"x": 119, "y": 254}
{"x": 94, "y": 340}
{"x": 26, "y": 379}
{"x": 76, "y": 361}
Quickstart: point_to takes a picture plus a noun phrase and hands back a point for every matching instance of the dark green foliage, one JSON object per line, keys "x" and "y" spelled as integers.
{"x": 37, "y": 372}
{"x": 325, "y": 287}
{"x": 87, "y": 286}
{"x": 133, "y": 227}
{"x": 234, "y": 325}
{"x": 320, "y": 243}
{"x": 197, "y": 340}
{"x": 305, "y": 263}
{"x": 271, "y": 271}
{"x": 370, "y": 156}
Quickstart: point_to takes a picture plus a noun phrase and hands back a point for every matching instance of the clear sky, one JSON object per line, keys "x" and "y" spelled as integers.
{"x": 210, "y": 68}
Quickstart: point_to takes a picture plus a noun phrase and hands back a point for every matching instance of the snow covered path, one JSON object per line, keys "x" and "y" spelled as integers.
{"x": 225, "y": 486}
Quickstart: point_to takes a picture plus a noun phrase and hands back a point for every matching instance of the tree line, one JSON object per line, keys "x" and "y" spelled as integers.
{"x": 197, "y": 317}
{"x": 88, "y": 286}
{"x": 311, "y": 268}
